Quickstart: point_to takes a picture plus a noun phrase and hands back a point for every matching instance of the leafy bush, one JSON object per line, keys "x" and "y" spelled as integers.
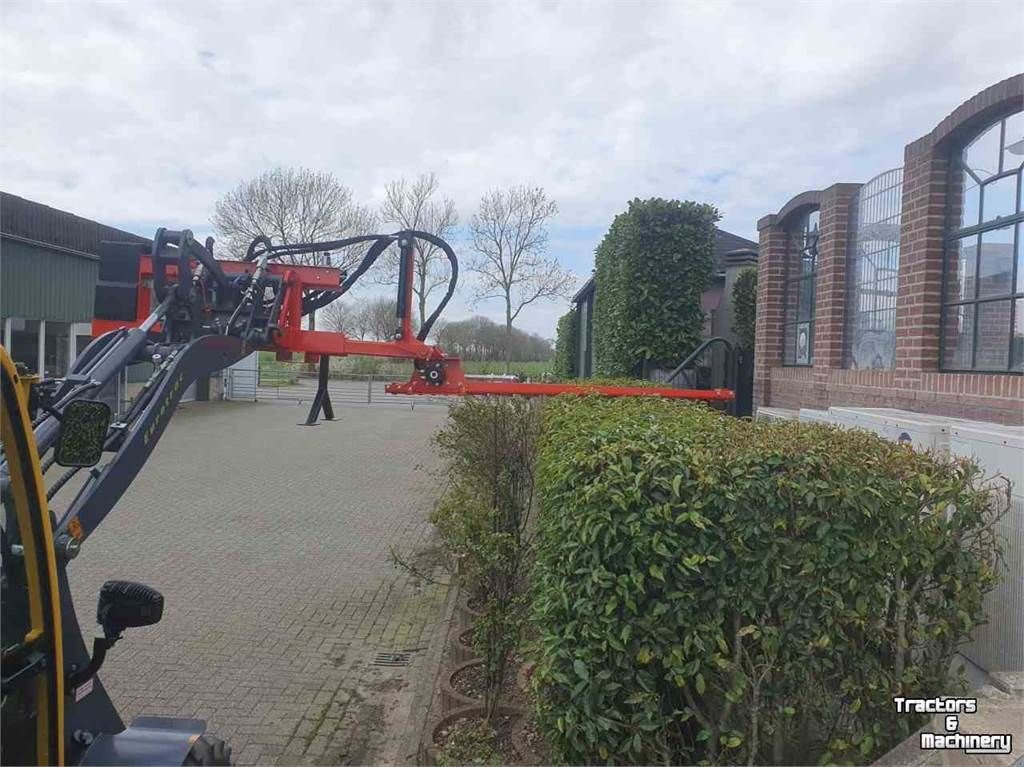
{"x": 744, "y": 302}
{"x": 709, "y": 589}
{"x": 565, "y": 345}
{"x": 489, "y": 447}
{"x": 651, "y": 268}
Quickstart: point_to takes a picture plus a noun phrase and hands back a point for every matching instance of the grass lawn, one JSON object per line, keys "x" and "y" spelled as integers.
{"x": 274, "y": 373}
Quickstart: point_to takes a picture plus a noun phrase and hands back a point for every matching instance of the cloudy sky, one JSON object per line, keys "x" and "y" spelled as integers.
{"x": 143, "y": 114}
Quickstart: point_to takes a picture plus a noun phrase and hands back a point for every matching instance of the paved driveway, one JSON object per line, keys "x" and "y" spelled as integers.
{"x": 270, "y": 543}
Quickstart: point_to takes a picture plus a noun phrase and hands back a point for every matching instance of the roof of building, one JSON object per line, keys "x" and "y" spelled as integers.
{"x": 34, "y": 222}
{"x": 725, "y": 243}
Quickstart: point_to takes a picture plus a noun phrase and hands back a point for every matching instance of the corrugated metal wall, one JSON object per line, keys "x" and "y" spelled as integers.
{"x": 40, "y": 284}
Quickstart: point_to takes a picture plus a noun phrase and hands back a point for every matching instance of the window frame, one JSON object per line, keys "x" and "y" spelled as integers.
{"x": 954, "y": 234}
{"x": 811, "y": 240}
{"x": 877, "y": 202}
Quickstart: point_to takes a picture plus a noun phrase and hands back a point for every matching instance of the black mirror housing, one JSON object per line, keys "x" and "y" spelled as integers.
{"x": 83, "y": 432}
{"x": 126, "y": 604}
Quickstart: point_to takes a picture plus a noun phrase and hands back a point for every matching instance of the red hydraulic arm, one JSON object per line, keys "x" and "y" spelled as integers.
{"x": 435, "y": 373}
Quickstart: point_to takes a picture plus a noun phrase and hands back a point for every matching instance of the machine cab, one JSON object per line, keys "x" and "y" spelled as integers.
{"x": 32, "y": 659}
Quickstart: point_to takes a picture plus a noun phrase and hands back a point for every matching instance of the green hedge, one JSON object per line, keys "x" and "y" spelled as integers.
{"x": 564, "y": 365}
{"x": 744, "y": 303}
{"x": 650, "y": 270}
{"x": 736, "y": 592}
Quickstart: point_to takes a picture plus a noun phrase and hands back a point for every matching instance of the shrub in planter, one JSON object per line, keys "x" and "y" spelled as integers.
{"x": 489, "y": 448}
{"x": 709, "y": 589}
{"x": 469, "y": 736}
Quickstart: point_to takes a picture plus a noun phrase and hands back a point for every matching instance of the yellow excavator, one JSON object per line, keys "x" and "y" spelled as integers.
{"x": 53, "y": 714}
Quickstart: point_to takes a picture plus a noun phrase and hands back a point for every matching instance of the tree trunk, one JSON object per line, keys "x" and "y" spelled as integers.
{"x": 422, "y": 296}
{"x": 508, "y": 336}
{"x": 312, "y": 320}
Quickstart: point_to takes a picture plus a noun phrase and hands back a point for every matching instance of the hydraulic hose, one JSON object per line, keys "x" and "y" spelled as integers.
{"x": 261, "y": 246}
{"x": 447, "y": 249}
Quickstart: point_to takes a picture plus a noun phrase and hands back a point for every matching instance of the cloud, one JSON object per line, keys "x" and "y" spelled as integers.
{"x": 142, "y": 115}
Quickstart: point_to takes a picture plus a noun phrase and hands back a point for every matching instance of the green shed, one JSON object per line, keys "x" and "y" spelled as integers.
{"x": 49, "y": 264}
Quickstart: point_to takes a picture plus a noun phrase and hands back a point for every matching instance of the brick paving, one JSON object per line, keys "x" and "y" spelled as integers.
{"x": 270, "y": 543}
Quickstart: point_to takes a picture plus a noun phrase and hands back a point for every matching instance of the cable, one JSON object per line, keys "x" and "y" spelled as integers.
{"x": 61, "y": 481}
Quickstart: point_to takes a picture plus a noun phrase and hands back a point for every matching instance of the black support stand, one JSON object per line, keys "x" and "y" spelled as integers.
{"x": 322, "y": 400}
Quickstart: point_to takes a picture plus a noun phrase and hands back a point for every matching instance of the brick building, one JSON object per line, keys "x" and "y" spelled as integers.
{"x": 906, "y": 291}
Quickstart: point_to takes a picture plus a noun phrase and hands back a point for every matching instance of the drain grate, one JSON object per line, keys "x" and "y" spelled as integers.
{"x": 392, "y": 659}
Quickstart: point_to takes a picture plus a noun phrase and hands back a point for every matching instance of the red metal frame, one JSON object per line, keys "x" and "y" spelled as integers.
{"x": 312, "y": 344}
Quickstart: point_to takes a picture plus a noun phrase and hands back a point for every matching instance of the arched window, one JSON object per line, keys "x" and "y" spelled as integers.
{"x": 801, "y": 268}
{"x": 983, "y": 284}
{"x": 874, "y": 264}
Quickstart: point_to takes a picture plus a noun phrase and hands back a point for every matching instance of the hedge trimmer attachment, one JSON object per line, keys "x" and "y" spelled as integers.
{"x": 262, "y": 302}
{"x": 190, "y": 314}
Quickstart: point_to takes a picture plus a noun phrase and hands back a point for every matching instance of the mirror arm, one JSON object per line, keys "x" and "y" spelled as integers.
{"x": 100, "y": 645}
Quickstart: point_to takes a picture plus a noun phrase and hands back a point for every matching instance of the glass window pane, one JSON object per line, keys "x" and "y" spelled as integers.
{"x": 1013, "y": 144}
{"x": 805, "y": 288}
{"x": 981, "y": 157}
{"x": 1018, "y": 335}
{"x": 999, "y": 198}
{"x": 25, "y": 343}
{"x": 804, "y": 342}
{"x": 807, "y": 261}
{"x": 1020, "y": 259}
{"x": 993, "y": 336}
{"x": 789, "y": 344}
{"x": 967, "y": 207}
{"x": 959, "y": 337}
{"x": 55, "y": 358}
{"x": 995, "y": 276}
{"x": 813, "y": 220}
{"x": 80, "y": 343}
{"x": 960, "y": 270}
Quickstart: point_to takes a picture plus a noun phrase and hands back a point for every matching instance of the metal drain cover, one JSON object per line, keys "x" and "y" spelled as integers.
{"x": 392, "y": 659}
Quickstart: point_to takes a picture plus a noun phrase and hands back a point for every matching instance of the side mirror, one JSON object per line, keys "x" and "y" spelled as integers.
{"x": 83, "y": 430}
{"x": 125, "y": 604}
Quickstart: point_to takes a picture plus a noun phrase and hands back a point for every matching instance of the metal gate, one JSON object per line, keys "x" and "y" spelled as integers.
{"x": 297, "y": 383}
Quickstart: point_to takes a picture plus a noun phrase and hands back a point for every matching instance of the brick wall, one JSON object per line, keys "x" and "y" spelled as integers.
{"x": 915, "y": 383}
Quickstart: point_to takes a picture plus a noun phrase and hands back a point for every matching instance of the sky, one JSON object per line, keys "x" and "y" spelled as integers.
{"x": 143, "y": 114}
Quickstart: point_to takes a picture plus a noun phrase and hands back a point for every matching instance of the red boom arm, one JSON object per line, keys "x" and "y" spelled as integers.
{"x": 435, "y": 372}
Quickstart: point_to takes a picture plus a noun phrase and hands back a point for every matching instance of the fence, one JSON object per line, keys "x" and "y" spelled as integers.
{"x": 298, "y": 384}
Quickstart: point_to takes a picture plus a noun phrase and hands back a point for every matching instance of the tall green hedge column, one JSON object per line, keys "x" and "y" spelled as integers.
{"x": 651, "y": 269}
{"x": 564, "y": 365}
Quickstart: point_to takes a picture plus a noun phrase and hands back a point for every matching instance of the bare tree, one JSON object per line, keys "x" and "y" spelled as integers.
{"x": 415, "y": 206}
{"x": 363, "y": 318}
{"x": 378, "y": 316}
{"x": 341, "y": 315}
{"x": 290, "y": 206}
{"x": 510, "y": 236}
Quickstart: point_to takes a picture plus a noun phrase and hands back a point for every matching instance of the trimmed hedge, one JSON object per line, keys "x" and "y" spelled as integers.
{"x": 744, "y": 302}
{"x": 709, "y": 589}
{"x": 650, "y": 270}
{"x": 564, "y": 364}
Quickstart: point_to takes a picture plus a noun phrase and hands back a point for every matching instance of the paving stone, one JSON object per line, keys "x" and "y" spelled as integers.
{"x": 270, "y": 543}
